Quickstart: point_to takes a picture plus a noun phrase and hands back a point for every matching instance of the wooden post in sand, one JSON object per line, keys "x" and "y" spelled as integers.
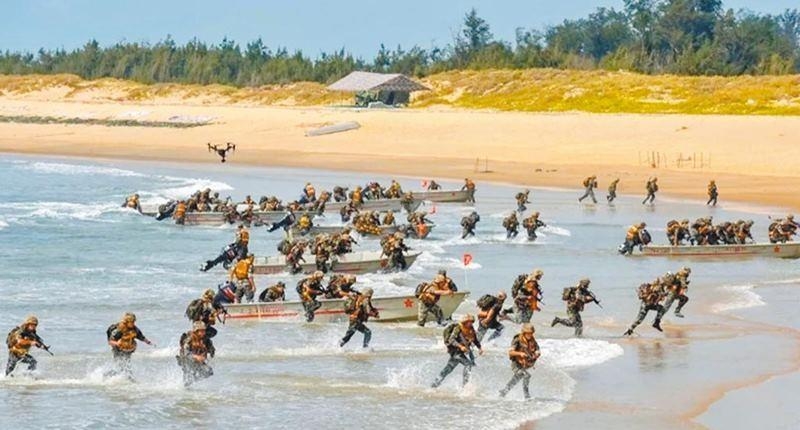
{"x": 694, "y": 160}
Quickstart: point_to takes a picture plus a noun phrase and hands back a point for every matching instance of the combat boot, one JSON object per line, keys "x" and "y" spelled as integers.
{"x": 554, "y": 322}
{"x": 678, "y": 314}
{"x": 657, "y": 325}
{"x": 628, "y": 332}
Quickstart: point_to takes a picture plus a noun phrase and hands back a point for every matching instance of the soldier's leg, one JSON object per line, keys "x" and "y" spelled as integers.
{"x": 515, "y": 378}
{"x": 448, "y": 368}
{"x": 526, "y": 384}
{"x": 639, "y": 318}
{"x": 351, "y": 330}
{"x": 467, "y": 363}
{"x": 682, "y": 300}
{"x": 30, "y": 361}
{"x": 481, "y": 331}
{"x": 367, "y": 334}
{"x": 422, "y": 314}
{"x": 498, "y": 330}
{"x": 591, "y": 194}
{"x": 437, "y": 312}
{"x": 659, "y": 311}
{"x": 309, "y": 308}
{"x": 667, "y": 305}
{"x": 578, "y": 323}
{"x": 12, "y": 363}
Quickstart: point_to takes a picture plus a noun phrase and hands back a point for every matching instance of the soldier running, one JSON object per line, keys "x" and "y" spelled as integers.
{"x": 651, "y": 187}
{"x": 20, "y": 340}
{"x": 490, "y": 309}
{"x": 122, "y": 337}
{"x": 612, "y": 190}
{"x": 522, "y": 199}
{"x": 590, "y": 183}
{"x": 359, "y": 308}
{"x": 523, "y": 355}
{"x": 429, "y": 295}
{"x": 308, "y": 289}
{"x": 468, "y": 224}
{"x": 676, "y": 287}
{"x": 195, "y": 349}
{"x": 651, "y": 296}
{"x": 532, "y": 224}
{"x": 459, "y": 338}
{"x": 576, "y": 299}
{"x": 712, "y": 193}
{"x": 511, "y": 224}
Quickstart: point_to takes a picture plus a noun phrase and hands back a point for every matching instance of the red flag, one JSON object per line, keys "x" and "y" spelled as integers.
{"x": 433, "y": 209}
{"x": 424, "y": 183}
{"x": 467, "y": 259}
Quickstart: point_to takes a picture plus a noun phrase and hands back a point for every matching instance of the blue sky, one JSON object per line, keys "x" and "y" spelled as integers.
{"x": 314, "y": 26}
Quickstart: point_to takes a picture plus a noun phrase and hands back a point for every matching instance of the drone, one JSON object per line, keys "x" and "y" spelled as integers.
{"x": 222, "y": 152}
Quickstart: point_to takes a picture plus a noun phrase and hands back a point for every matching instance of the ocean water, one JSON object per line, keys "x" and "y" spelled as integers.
{"x": 70, "y": 254}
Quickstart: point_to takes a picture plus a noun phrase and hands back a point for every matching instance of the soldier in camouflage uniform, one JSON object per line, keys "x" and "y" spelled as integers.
{"x": 488, "y": 314}
{"x": 429, "y": 294}
{"x": 576, "y": 297}
{"x": 612, "y": 190}
{"x": 522, "y": 199}
{"x": 309, "y": 289}
{"x": 275, "y": 293}
{"x": 359, "y": 315}
{"x": 523, "y": 355}
{"x": 511, "y": 224}
{"x": 122, "y": 337}
{"x": 651, "y": 296}
{"x": 676, "y": 287}
{"x": 459, "y": 343}
{"x": 590, "y": 183}
{"x": 651, "y": 187}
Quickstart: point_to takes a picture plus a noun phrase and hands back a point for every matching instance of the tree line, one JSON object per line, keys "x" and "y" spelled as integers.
{"x": 684, "y": 37}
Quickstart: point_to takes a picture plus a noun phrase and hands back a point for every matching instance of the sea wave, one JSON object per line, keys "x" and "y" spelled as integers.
{"x": 77, "y": 169}
{"x": 576, "y": 353}
{"x": 188, "y": 186}
{"x": 737, "y": 297}
{"x": 3, "y": 224}
{"x": 61, "y": 210}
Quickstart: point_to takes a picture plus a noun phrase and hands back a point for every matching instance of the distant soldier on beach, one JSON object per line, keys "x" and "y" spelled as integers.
{"x": 590, "y": 183}
{"x": 523, "y": 355}
{"x": 532, "y": 224}
{"x": 522, "y": 199}
{"x": 469, "y": 186}
{"x": 651, "y": 187}
{"x": 468, "y": 224}
{"x": 612, "y": 190}
{"x": 712, "y": 193}
{"x": 511, "y": 224}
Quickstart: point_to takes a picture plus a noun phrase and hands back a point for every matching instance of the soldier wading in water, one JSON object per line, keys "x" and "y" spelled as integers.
{"x": 523, "y": 355}
{"x": 122, "y": 337}
{"x": 459, "y": 338}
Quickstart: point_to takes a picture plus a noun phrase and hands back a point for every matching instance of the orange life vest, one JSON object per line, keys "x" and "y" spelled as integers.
{"x": 242, "y": 270}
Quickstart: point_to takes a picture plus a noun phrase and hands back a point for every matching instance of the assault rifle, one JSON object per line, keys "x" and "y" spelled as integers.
{"x": 594, "y": 299}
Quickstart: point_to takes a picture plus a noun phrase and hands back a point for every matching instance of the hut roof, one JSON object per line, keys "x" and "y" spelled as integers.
{"x": 368, "y": 81}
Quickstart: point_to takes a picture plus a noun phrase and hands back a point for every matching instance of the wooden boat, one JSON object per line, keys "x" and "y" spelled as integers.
{"x": 354, "y": 262}
{"x": 391, "y": 309}
{"x": 777, "y": 250}
{"x": 442, "y": 196}
{"x": 380, "y": 205}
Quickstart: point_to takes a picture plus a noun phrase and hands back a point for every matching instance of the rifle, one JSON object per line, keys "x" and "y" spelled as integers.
{"x": 40, "y": 341}
{"x": 594, "y": 299}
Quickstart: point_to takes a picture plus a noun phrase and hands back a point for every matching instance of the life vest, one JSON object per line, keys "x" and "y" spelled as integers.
{"x": 133, "y": 202}
{"x": 422, "y": 230}
{"x": 470, "y": 185}
{"x": 180, "y": 210}
{"x": 310, "y": 191}
{"x": 242, "y": 270}
{"x": 356, "y": 197}
{"x": 528, "y": 347}
{"x": 426, "y": 296}
{"x": 244, "y": 237}
{"x": 633, "y": 233}
{"x": 587, "y": 181}
{"x": 17, "y": 344}
{"x": 305, "y": 222}
{"x": 127, "y": 342}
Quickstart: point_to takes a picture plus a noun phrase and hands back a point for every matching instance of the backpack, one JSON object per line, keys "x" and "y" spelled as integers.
{"x": 195, "y": 310}
{"x": 518, "y": 283}
{"x": 420, "y": 289}
{"x": 566, "y": 295}
{"x": 642, "y": 291}
{"x": 465, "y": 222}
{"x": 299, "y": 287}
{"x": 586, "y": 182}
{"x": 350, "y": 303}
{"x": 11, "y": 339}
{"x": 487, "y": 301}
{"x": 448, "y": 331}
{"x": 110, "y": 330}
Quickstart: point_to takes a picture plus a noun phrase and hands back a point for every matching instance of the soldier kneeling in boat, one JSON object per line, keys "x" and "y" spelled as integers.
{"x": 275, "y": 293}
{"x": 523, "y": 355}
{"x": 132, "y": 202}
{"x": 459, "y": 339}
{"x": 122, "y": 337}
{"x": 340, "y": 286}
{"x": 358, "y": 308}
{"x": 308, "y": 289}
{"x": 195, "y": 349}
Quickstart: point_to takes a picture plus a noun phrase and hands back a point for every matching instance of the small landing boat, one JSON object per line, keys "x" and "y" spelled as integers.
{"x": 775, "y": 250}
{"x": 354, "y": 262}
{"x": 391, "y": 309}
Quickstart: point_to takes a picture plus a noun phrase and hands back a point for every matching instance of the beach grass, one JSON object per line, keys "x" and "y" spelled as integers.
{"x": 531, "y": 90}
{"x": 36, "y": 119}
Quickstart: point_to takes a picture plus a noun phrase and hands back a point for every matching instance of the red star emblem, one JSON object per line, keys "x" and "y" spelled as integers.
{"x": 408, "y": 303}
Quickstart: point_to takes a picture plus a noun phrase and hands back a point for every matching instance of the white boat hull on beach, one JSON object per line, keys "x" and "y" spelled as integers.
{"x": 333, "y": 229}
{"x": 443, "y": 196}
{"x": 380, "y": 205}
{"x": 391, "y": 309}
{"x": 218, "y": 218}
{"x": 776, "y": 250}
{"x": 354, "y": 263}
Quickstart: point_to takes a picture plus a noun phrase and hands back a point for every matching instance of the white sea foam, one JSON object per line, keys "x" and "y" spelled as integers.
{"x": 3, "y": 224}
{"x": 576, "y": 353}
{"x": 62, "y": 210}
{"x": 188, "y": 186}
{"x": 77, "y": 169}
{"x": 737, "y": 297}
{"x": 558, "y": 231}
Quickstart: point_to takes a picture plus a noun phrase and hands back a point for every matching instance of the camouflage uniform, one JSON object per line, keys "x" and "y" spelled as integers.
{"x": 20, "y": 341}
{"x": 612, "y": 190}
{"x": 191, "y": 346}
{"x": 462, "y": 336}
{"x": 520, "y": 366}
{"x": 590, "y": 183}
{"x": 494, "y": 311}
{"x": 360, "y": 316}
{"x": 676, "y": 291}
{"x": 577, "y": 297}
{"x": 650, "y": 296}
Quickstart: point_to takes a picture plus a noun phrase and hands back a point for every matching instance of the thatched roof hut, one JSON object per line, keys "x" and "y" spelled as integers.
{"x": 389, "y": 88}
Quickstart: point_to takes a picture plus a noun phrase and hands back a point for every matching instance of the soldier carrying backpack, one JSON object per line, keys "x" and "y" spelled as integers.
{"x": 490, "y": 310}
{"x": 576, "y": 298}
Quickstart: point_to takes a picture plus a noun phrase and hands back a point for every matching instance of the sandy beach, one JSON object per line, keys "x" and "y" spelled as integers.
{"x": 752, "y": 158}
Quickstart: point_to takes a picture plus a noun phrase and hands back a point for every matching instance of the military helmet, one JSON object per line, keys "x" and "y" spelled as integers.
{"x": 367, "y": 292}
{"x": 468, "y": 318}
{"x": 685, "y": 221}
{"x": 31, "y": 319}
{"x": 790, "y": 217}
{"x": 208, "y": 294}
{"x": 686, "y": 269}
{"x": 584, "y": 282}
{"x": 536, "y": 213}
{"x": 129, "y": 317}
{"x": 442, "y": 272}
{"x": 318, "y": 274}
{"x": 198, "y": 325}
{"x": 528, "y": 328}
{"x": 642, "y": 224}
{"x": 389, "y": 212}
{"x": 538, "y": 273}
